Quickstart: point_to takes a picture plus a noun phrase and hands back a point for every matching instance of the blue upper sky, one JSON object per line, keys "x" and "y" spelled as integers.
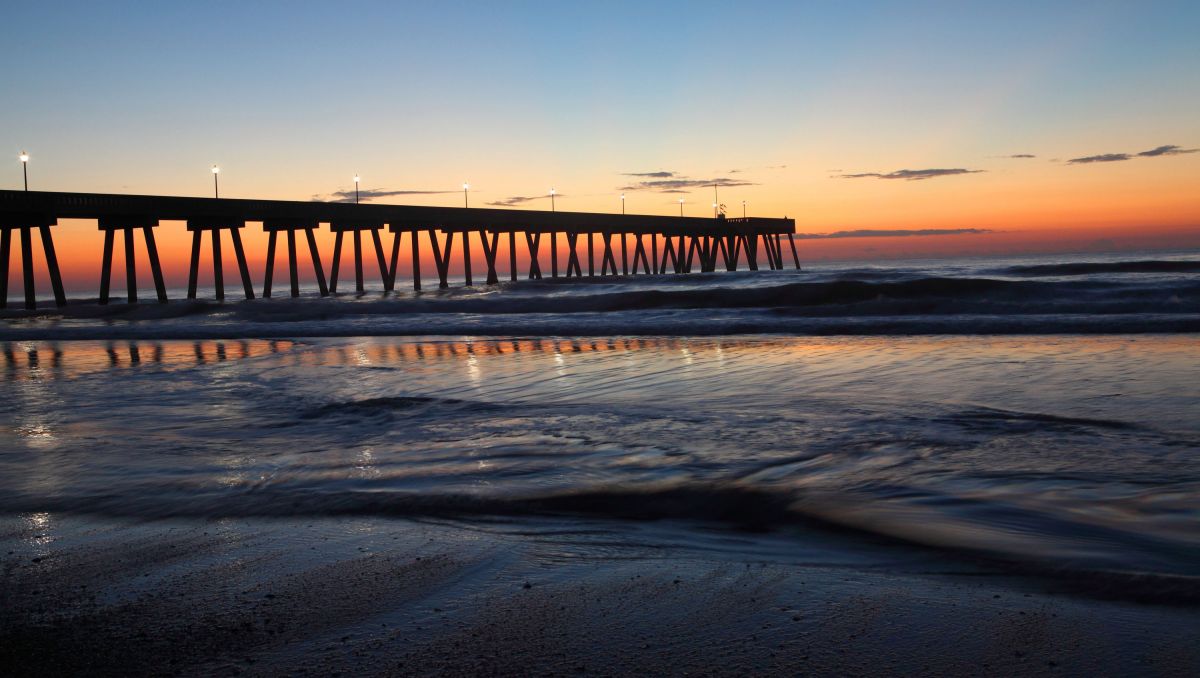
{"x": 292, "y": 98}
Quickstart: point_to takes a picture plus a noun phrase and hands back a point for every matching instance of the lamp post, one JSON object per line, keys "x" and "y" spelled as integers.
{"x": 622, "y": 204}
{"x": 552, "y": 200}
{"x": 466, "y": 187}
{"x": 743, "y": 209}
{"x": 25, "y": 167}
{"x": 714, "y": 210}
{"x": 356, "y": 180}
{"x": 681, "y": 207}
{"x": 216, "y": 186}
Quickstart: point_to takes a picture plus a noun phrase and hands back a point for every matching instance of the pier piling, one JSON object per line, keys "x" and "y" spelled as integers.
{"x": 687, "y": 241}
{"x": 24, "y": 224}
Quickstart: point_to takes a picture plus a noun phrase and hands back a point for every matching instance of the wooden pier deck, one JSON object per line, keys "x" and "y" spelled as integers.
{"x": 686, "y": 242}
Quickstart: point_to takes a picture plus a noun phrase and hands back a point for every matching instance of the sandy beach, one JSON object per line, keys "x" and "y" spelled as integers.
{"x": 397, "y": 597}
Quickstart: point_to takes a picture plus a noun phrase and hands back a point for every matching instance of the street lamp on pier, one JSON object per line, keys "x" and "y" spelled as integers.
{"x": 24, "y": 157}
{"x": 622, "y": 204}
{"x": 216, "y": 186}
{"x": 681, "y": 207}
{"x": 552, "y": 199}
{"x": 466, "y": 187}
{"x": 357, "y": 179}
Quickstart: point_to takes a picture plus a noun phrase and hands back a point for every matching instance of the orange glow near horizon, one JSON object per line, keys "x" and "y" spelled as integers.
{"x": 1026, "y": 206}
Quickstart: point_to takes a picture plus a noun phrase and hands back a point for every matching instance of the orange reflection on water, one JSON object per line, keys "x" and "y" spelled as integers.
{"x": 32, "y": 360}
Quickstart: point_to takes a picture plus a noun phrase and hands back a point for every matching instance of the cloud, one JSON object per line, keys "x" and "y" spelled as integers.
{"x": 681, "y": 184}
{"x": 368, "y": 194}
{"x": 1104, "y": 157}
{"x": 911, "y": 175}
{"x": 1022, "y": 155}
{"x": 1170, "y": 149}
{"x": 515, "y": 200}
{"x": 873, "y": 233}
{"x": 1166, "y": 150}
{"x": 651, "y": 175}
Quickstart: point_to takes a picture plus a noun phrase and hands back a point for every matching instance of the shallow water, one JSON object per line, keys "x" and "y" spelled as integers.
{"x": 1030, "y": 410}
{"x": 1076, "y": 452}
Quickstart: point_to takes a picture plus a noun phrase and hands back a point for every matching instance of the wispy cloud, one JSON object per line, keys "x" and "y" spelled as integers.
{"x": 513, "y": 201}
{"x": 874, "y": 233}
{"x": 1166, "y": 150}
{"x": 1022, "y": 155}
{"x": 661, "y": 174}
{"x": 911, "y": 175}
{"x": 682, "y": 184}
{"x": 1103, "y": 157}
{"x": 1170, "y": 149}
{"x": 368, "y": 194}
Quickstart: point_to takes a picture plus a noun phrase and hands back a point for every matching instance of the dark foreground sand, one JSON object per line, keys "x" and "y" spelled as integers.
{"x": 393, "y": 597}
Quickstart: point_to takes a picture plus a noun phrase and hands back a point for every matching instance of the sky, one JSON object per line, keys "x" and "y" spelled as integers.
{"x": 1013, "y": 127}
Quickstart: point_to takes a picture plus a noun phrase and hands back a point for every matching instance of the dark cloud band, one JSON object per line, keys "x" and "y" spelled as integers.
{"x": 367, "y": 194}
{"x": 681, "y": 185}
{"x": 1170, "y": 149}
{"x": 513, "y": 201}
{"x": 911, "y": 175}
{"x": 873, "y": 233}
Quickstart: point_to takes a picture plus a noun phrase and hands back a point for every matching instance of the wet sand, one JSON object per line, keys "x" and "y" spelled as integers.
{"x": 371, "y": 596}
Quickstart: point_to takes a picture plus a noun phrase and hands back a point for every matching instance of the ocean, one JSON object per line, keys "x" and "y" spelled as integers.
{"x": 1039, "y": 412}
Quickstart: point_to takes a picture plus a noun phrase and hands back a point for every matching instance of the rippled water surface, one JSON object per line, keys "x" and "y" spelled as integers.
{"x": 1078, "y": 451}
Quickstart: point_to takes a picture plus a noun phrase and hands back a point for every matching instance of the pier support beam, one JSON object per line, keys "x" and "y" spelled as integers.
{"x": 795, "y": 256}
{"x": 750, "y": 244}
{"x": 340, "y": 229}
{"x": 668, "y": 251}
{"x": 512, "y": 256}
{"x": 414, "y": 239}
{"x": 490, "y": 249}
{"x": 290, "y": 226}
{"x": 127, "y": 226}
{"x": 726, "y": 245}
{"x": 639, "y": 252}
{"x": 466, "y": 247}
{"x": 573, "y": 255}
{"x": 591, "y": 256}
{"x": 608, "y": 263}
{"x": 25, "y": 223}
{"x": 214, "y": 226}
{"x": 533, "y": 241}
{"x": 441, "y": 258}
{"x": 553, "y": 254}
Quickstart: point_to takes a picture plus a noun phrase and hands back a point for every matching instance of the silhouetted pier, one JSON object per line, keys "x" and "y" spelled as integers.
{"x": 687, "y": 243}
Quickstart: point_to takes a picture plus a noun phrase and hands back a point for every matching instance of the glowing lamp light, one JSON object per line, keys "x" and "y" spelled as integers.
{"x": 466, "y": 187}
{"x": 356, "y": 179}
{"x": 216, "y": 170}
{"x": 24, "y": 157}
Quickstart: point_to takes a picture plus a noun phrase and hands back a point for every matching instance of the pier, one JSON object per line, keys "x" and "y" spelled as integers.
{"x": 644, "y": 244}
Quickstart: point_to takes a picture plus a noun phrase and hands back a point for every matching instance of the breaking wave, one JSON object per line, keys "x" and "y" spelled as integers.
{"x": 710, "y": 304}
